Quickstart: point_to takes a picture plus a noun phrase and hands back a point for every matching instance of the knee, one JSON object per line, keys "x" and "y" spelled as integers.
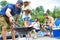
{"x": 42, "y": 26}
{"x": 11, "y": 27}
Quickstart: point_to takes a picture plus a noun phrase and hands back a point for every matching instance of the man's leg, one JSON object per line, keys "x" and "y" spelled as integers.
{"x": 30, "y": 35}
{"x": 12, "y": 32}
{"x": 11, "y": 27}
{"x": 50, "y": 30}
{"x": 4, "y": 32}
{"x": 4, "y": 25}
{"x": 43, "y": 27}
{"x": 26, "y": 23}
{"x": 50, "y": 25}
{"x": 34, "y": 33}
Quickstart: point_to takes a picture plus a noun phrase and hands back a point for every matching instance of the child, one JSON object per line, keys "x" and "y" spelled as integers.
{"x": 26, "y": 13}
{"x": 36, "y": 26}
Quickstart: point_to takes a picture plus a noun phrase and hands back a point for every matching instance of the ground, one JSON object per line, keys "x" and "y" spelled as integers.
{"x": 40, "y": 38}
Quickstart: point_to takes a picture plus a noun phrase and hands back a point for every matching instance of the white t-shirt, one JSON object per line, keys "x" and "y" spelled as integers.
{"x": 24, "y": 14}
{"x": 36, "y": 26}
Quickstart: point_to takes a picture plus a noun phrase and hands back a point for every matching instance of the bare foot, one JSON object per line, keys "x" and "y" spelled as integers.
{"x": 47, "y": 34}
{"x": 35, "y": 37}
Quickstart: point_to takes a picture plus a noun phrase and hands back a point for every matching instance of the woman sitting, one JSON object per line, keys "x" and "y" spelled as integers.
{"x": 36, "y": 26}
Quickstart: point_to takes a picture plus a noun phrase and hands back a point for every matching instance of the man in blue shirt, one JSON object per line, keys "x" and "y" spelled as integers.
{"x": 6, "y": 17}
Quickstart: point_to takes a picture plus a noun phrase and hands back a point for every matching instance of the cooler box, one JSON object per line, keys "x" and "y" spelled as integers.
{"x": 56, "y": 32}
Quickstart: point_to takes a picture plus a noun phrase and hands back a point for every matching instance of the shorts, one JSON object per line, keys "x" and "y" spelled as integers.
{"x": 4, "y": 21}
{"x": 37, "y": 30}
{"x": 26, "y": 19}
{"x": 47, "y": 27}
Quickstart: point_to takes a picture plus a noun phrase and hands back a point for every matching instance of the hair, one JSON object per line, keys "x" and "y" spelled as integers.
{"x": 26, "y": 2}
{"x": 20, "y": 1}
{"x": 45, "y": 14}
{"x": 37, "y": 19}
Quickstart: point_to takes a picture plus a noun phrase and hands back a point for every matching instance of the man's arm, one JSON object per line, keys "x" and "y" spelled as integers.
{"x": 8, "y": 14}
{"x": 44, "y": 23}
{"x": 52, "y": 22}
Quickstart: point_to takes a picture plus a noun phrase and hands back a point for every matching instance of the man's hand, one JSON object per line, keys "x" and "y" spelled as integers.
{"x": 8, "y": 14}
{"x": 11, "y": 19}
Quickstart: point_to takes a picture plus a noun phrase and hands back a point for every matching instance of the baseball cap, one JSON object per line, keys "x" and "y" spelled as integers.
{"x": 20, "y": 1}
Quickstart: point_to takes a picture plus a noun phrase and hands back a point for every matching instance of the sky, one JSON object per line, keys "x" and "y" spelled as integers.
{"x": 47, "y": 4}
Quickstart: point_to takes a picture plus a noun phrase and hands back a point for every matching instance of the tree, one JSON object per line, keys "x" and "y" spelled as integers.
{"x": 3, "y": 3}
{"x": 56, "y": 12}
{"x": 53, "y": 14}
{"x": 40, "y": 10}
{"x": 49, "y": 12}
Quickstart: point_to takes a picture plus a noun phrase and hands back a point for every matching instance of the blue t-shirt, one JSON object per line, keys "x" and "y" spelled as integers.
{"x": 14, "y": 10}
